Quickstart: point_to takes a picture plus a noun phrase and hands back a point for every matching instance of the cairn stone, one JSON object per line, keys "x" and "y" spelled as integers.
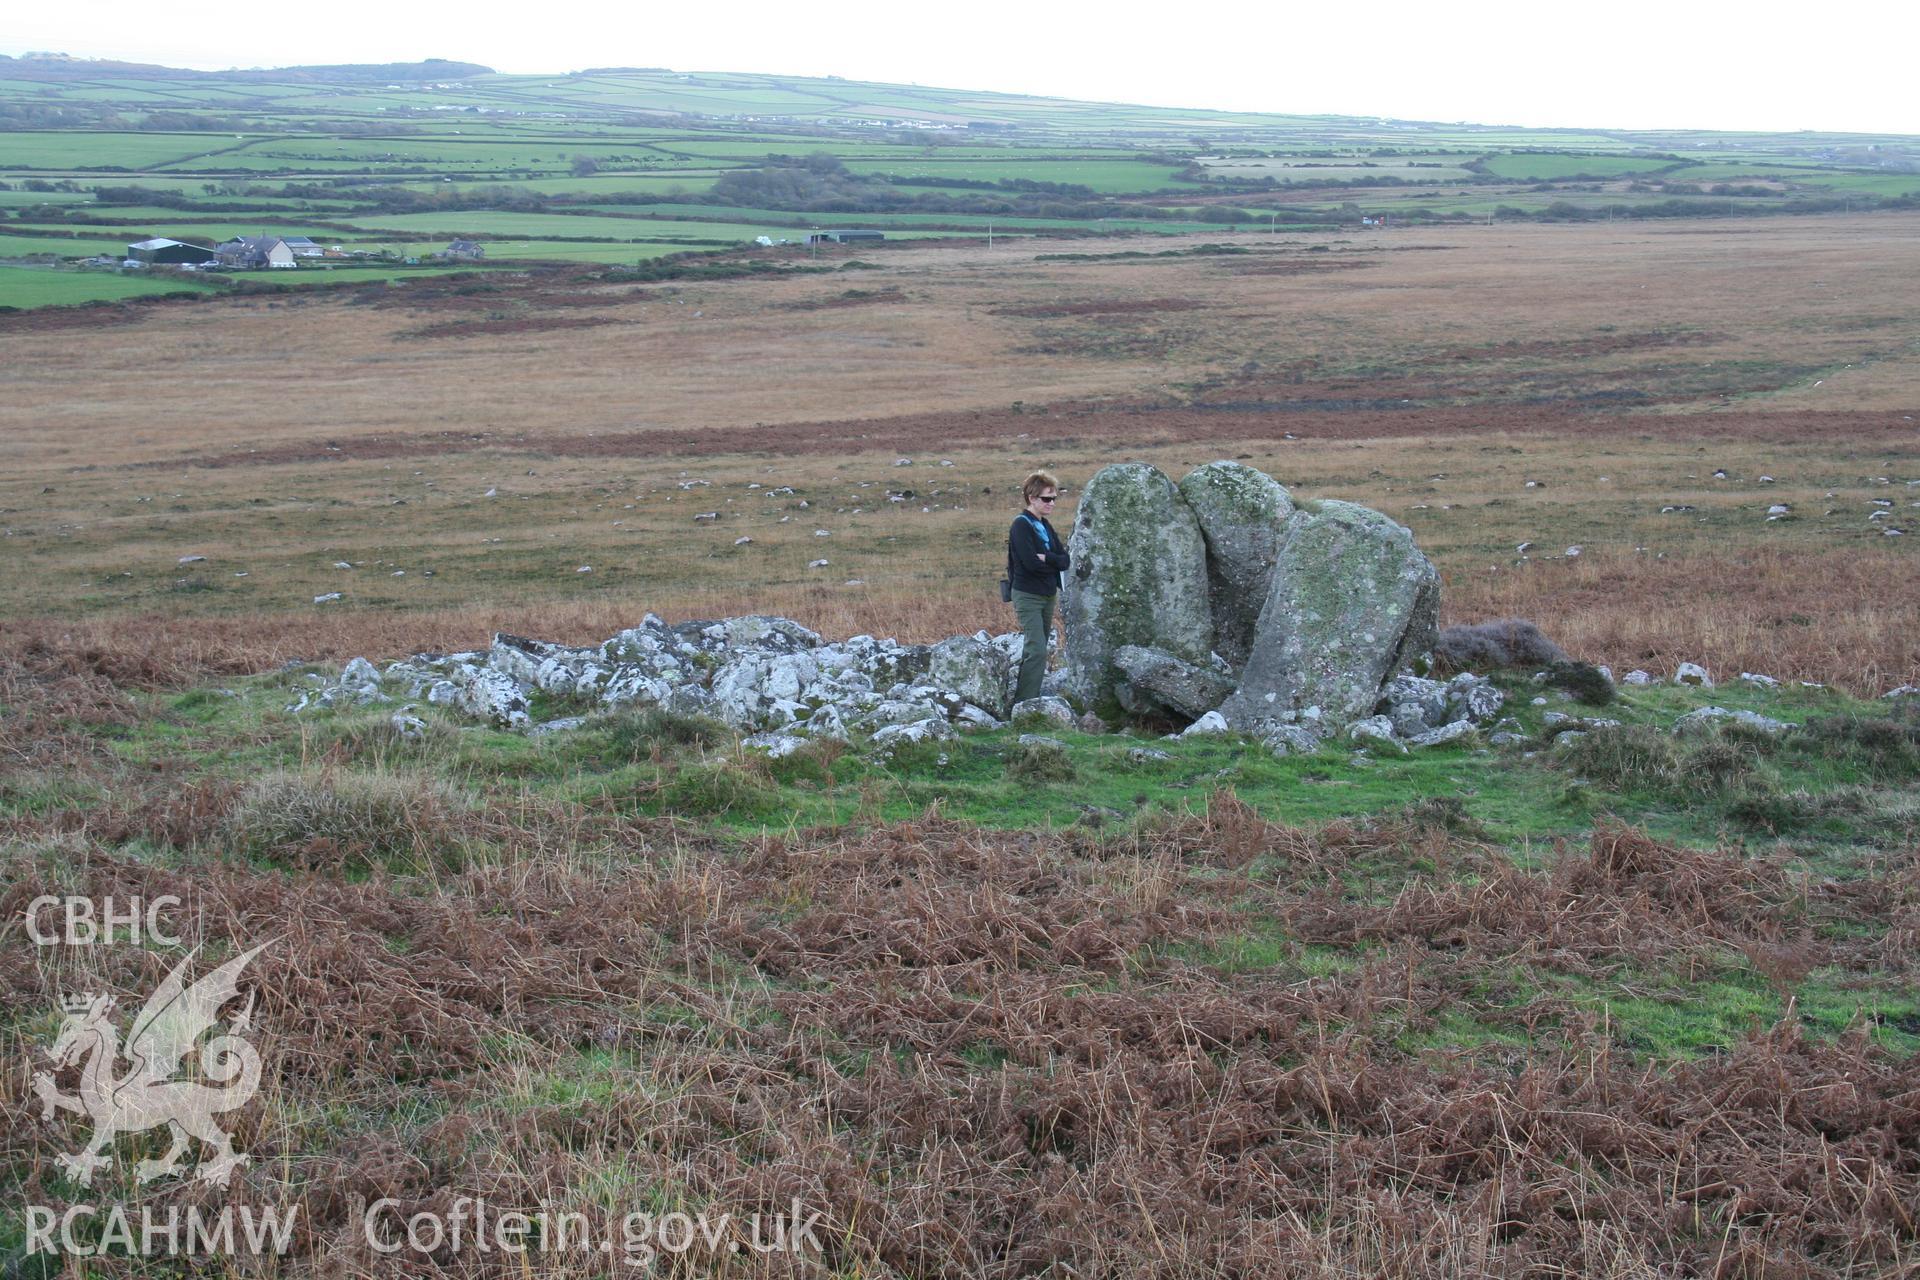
{"x": 1055, "y": 709}
{"x": 1242, "y": 513}
{"x": 1353, "y": 601}
{"x": 1157, "y": 683}
{"x": 974, "y": 668}
{"x": 1375, "y": 731}
{"x": 1705, "y": 719}
{"x": 1139, "y": 577}
{"x": 1291, "y": 740}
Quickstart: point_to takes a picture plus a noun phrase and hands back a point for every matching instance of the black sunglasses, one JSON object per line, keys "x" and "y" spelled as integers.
{"x": 1045, "y": 497}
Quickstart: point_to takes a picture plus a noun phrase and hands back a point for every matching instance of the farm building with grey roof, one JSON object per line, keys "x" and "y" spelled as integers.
{"x": 844, "y": 237}
{"x": 255, "y": 251}
{"x": 161, "y": 250}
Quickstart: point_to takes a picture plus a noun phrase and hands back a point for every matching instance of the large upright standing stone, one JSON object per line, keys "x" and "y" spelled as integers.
{"x": 1139, "y": 577}
{"x": 1352, "y": 602}
{"x": 1241, "y": 513}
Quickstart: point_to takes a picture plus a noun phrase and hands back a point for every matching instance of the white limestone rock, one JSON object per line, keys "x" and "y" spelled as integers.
{"x": 1375, "y": 732}
{"x": 493, "y": 696}
{"x": 774, "y": 743}
{"x": 1055, "y": 709}
{"x": 1445, "y": 733}
{"x": 931, "y": 729}
{"x": 1705, "y": 719}
{"x": 1291, "y": 740}
{"x": 358, "y": 672}
{"x": 1208, "y": 725}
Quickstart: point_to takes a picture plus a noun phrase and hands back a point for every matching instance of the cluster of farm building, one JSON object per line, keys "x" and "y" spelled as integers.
{"x": 263, "y": 252}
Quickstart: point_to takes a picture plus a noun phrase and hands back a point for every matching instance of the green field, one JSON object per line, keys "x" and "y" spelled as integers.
{"x": 22, "y": 199}
{"x": 1528, "y": 167}
{"x": 24, "y": 287}
{"x": 539, "y": 160}
{"x": 550, "y": 225}
{"x": 602, "y": 186}
{"x": 1108, "y": 176}
{"x": 1301, "y": 173}
{"x": 970, "y": 222}
{"x": 574, "y": 251}
{"x": 77, "y": 151}
{"x": 59, "y": 246}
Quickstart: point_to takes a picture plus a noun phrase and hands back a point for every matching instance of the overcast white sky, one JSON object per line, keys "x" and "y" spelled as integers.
{"x": 1625, "y": 64}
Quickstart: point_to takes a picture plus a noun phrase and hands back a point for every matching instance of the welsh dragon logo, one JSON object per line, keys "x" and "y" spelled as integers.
{"x": 147, "y": 1094}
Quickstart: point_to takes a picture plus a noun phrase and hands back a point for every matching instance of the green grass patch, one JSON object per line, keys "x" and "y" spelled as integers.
{"x": 25, "y": 288}
{"x": 1534, "y": 166}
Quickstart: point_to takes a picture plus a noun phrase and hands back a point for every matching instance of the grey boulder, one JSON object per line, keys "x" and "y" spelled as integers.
{"x": 1291, "y": 740}
{"x": 1139, "y": 577}
{"x": 1445, "y": 733}
{"x": 975, "y": 669}
{"x": 1158, "y": 683}
{"x": 1055, "y": 709}
{"x": 1375, "y": 731}
{"x": 1352, "y": 602}
{"x": 1241, "y": 513}
{"x": 1705, "y": 719}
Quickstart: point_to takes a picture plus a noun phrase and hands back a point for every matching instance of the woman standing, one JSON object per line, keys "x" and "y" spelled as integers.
{"x": 1036, "y": 555}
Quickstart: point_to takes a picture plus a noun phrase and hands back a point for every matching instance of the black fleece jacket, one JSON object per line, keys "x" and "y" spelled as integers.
{"x": 1024, "y": 548}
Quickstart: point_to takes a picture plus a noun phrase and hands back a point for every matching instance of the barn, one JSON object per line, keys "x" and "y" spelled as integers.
{"x": 844, "y": 237}
{"x": 160, "y": 251}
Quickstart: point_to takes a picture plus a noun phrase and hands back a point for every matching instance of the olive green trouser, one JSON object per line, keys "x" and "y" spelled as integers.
{"x": 1036, "y": 621}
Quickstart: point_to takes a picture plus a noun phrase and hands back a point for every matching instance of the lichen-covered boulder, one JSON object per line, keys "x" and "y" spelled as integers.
{"x": 1706, "y": 719}
{"x": 1375, "y": 731}
{"x": 1353, "y": 601}
{"x": 775, "y": 744}
{"x": 1413, "y": 704}
{"x": 1451, "y": 732}
{"x": 1055, "y": 709}
{"x": 762, "y": 690}
{"x": 633, "y": 687}
{"x": 757, "y": 632}
{"x": 688, "y": 700}
{"x": 898, "y": 711}
{"x": 1291, "y": 740}
{"x": 1208, "y": 725}
{"x": 493, "y": 696}
{"x": 1157, "y": 683}
{"x": 1475, "y": 698}
{"x": 1139, "y": 577}
{"x": 975, "y": 669}
{"x": 1242, "y": 513}
{"x": 359, "y": 672}
{"x": 893, "y": 736}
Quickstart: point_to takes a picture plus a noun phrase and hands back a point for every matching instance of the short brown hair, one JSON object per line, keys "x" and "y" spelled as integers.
{"x": 1036, "y": 482}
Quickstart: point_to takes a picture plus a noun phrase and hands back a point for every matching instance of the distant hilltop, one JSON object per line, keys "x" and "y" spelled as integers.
{"x": 62, "y": 66}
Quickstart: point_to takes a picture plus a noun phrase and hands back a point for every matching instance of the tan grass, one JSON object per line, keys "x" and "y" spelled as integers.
{"x": 1849, "y": 617}
{"x": 1831, "y": 297}
{"x": 93, "y": 577}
